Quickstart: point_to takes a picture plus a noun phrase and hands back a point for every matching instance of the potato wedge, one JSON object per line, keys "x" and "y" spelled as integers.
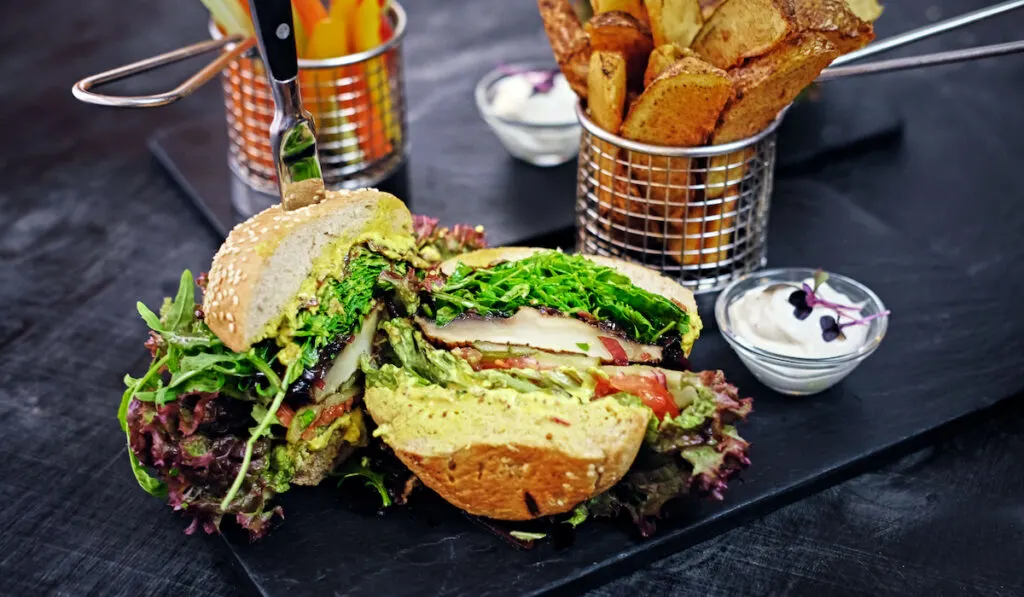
{"x": 766, "y": 85}
{"x": 621, "y": 32}
{"x": 662, "y": 58}
{"x": 609, "y": 175}
{"x": 705, "y": 236}
{"x": 569, "y": 42}
{"x": 633, "y": 7}
{"x": 606, "y": 90}
{"x": 835, "y": 20}
{"x": 725, "y": 172}
{"x": 680, "y": 107}
{"x": 866, "y": 10}
{"x": 708, "y": 7}
{"x": 742, "y": 29}
{"x": 674, "y": 21}
{"x": 665, "y": 182}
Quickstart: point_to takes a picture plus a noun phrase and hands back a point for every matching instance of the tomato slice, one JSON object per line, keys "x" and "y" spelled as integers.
{"x": 285, "y": 414}
{"x": 651, "y": 389}
{"x": 326, "y": 417}
{"x": 618, "y": 353}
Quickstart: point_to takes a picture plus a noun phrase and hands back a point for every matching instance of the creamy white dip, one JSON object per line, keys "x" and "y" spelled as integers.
{"x": 514, "y": 99}
{"x": 764, "y": 317}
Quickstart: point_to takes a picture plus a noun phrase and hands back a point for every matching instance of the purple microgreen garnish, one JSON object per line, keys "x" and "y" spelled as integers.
{"x": 832, "y": 329}
{"x": 543, "y": 80}
{"x": 801, "y": 308}
{"x": 805, "y": 299}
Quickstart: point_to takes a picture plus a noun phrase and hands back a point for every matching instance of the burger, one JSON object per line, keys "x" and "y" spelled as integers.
{"x": 257, "y": 388}
{"x": 532, "y": 384}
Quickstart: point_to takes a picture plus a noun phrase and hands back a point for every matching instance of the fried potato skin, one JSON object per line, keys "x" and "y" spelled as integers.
{"x": 621, "y": 32}
{"x": 606, "y": 89}
{"x": 680, "y": 107}
{"x": 767, "y": 84}
{"x": 569, "y": 42}
{"x": 742, "y": 29}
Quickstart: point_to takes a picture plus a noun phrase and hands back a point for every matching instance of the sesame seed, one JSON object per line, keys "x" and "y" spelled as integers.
{"x": 231, "y": 328}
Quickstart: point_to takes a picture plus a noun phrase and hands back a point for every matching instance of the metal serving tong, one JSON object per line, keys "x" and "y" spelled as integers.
{"x": 292, "y": 138}
{"x": 837, "y": 70}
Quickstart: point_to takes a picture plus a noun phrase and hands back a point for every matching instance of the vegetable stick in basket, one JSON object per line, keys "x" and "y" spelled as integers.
{"x": 369, "y": 26}
{"x": 310, "y": 12}
{"x": 329, "y": 39}
{"x": 228, "y": 14}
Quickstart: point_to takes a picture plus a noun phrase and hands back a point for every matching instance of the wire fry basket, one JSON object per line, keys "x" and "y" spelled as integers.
{"x": 358, "y": 108}
{"x": 699, "y": 215}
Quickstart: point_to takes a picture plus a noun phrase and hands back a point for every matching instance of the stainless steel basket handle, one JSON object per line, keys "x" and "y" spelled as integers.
{"x": 236, "y": 46}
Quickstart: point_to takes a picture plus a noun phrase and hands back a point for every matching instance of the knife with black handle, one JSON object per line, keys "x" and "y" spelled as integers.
{"x": 292, "y": 136}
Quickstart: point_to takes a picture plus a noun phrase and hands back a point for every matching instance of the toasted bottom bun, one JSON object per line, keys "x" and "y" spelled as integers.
{"x": 508, "y": 455}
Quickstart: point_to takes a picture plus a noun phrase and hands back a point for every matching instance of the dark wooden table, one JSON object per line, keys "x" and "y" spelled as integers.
{"x": 89, "y": 224}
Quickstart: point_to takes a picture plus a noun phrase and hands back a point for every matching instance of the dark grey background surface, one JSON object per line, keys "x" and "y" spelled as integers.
{"x": 89, "y": 223}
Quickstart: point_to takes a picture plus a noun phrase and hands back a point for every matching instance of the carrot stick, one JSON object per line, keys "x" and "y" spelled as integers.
{"x": 310, "y": 12}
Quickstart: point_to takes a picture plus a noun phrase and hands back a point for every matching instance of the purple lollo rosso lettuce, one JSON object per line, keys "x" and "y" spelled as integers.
{"x": 196, "y": 444}
{"x": 694, "y": 453}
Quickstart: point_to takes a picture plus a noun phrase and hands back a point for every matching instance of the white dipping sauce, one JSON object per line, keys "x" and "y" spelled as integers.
{"x": 514, "y": 99}
{"x": 764, "y": 317}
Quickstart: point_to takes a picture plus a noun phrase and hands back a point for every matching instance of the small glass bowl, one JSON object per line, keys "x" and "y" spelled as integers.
{"x": 546, "y": 144}
{"x": 800, "y": 376}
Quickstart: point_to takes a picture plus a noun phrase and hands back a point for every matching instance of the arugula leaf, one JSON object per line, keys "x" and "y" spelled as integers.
{"x": 374, "y": 480}
{"x": 259, "y": 412}
{"x": 571, "y": 284}
{"x": 153, "y": 486}
{"x": 151, "y": 319}
{"x": 290, "y": 375}
{"x": 182, "y": 309}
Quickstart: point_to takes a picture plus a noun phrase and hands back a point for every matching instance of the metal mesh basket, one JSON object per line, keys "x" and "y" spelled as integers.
{"x": 358, "y": 107}
{"x": 700, "y": 215}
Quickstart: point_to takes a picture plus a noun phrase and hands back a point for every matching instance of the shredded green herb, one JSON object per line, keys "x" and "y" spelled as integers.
{"x": 374, "y": 480}
{"x": 342, "y": 304}
{"x": 571, "y": 284}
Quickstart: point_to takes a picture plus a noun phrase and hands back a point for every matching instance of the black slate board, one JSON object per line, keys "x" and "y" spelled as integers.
{"x": 800, "y": 445}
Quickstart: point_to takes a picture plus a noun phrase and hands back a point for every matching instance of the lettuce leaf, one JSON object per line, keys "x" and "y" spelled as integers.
{"x": 571, "y": 284}
{"x": 694, "y": 453}
{"x": 415, "y": 360}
